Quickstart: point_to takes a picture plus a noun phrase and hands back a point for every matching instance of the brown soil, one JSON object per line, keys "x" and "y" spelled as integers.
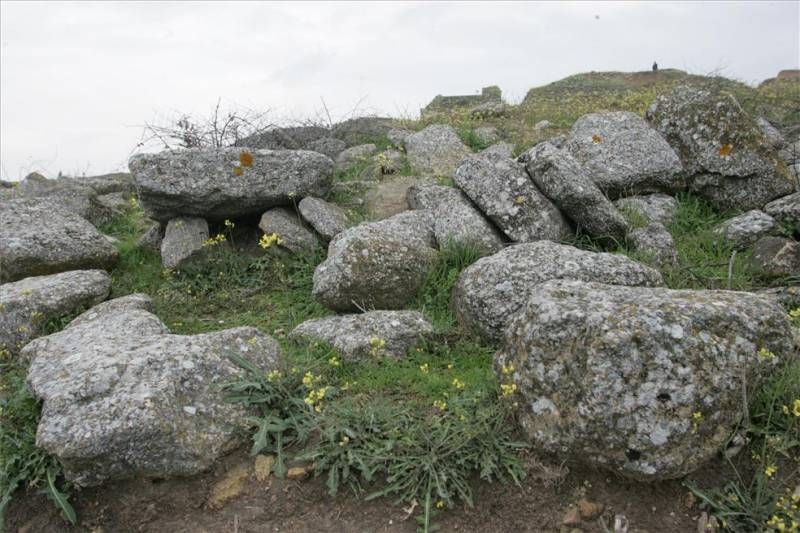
{"x": 282, "y": 505}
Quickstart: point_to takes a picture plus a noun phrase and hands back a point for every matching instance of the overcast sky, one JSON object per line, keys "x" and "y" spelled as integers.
{"x": 78, "y": 80}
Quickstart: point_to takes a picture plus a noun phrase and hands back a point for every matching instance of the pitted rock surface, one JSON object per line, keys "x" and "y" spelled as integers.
{"x": 612, "y": 376}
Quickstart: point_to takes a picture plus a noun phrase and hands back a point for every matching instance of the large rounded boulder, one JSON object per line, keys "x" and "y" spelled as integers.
{"x": 377, "y": 265}
{"x": 646, "y": 382}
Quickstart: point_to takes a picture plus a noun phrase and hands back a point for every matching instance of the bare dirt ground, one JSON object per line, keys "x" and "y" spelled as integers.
{"x": 283, "y": 505}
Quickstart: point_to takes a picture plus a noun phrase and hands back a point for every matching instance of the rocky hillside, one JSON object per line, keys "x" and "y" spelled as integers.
{"x": 601, "y": 279}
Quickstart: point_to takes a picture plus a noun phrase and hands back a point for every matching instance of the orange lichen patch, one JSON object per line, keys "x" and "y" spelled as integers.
{"x": 237, "y": 171}
{"x": 596, "y": 139}
{"x": 246, "y": 159}
{"x": 725, "y": 150}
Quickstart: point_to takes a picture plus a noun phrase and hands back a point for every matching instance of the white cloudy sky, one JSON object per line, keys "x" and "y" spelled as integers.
{"x": 78, "y": 80}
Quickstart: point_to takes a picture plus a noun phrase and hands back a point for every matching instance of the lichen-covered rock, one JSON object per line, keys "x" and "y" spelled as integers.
{"x": 646, "y": 382}
{"x": 787, "y": 297}
{"x": 501, "y": 149}
{"x": 377, "y": 265}
{"x": 327, "y": 145}
{"x": 327, "y": 219}
{"x": 501, "y": 188}
{"x": 785, "y": 209}
{"x": 69, "y": 193}
{"x": 743, "y": 230}
{"x": 542, "y": 125}
{"x": 655, "y": 244}
{"x": 623, "y": 155}
{"x": 657, "y": 207}
{"x": 122, "y": 397}
{"x": 374, "y": 334}
{"x": 722, "y": 149}
{"x": 560, "y": 177}
{"x": 27, "y": 305}
{"x": 183, "y": 241}
{"x": 356, "y": 154}
{"x": 774, "y": 137}
{"x": 288, "y": 226}
{"x": 776, "y": 257}
{"x": 436, "y": 150}
{"x": 40, "y": 237}
{"x": 220, "y": 183}
{"x": 493, "y": 289}
{"x": 455, "y": 219}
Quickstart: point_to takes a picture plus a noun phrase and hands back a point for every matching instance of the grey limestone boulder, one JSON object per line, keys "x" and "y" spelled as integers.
{"x": 486, "y": 134}
{"x": 436, "y": 150}
{"x": 455, "y": 219}
{"x": 501, "y": 188}
{"x": 377, "y": 265}
{"x": 183, "y": 240}
{"x": 356, "y": 154}
{"x": 122, "y": 397}
{"x": 657, "y": 207}
{"x": 646, "y": 382}
{"x": 655, "y": 244}
{"x": 290, "y": 229}
{"x": 493, "y": 289}
{"x": 743, "y": 230}
{"x": 326, "y": 218}
{"x": 501, "y": 149}
{"x": 374, "y": 334}
{"x": 623, "y": 155}
{"x": 786, "y": 210}
{"x": 40, "y": 237}
{"x": 560, "y": 177}
{"x": 27, "y": 305}
{"x": 227, "y": 182}
{"x": 723, "y": 150}
{"x": 776, "y": 257}
{"x": 327, "y": 145}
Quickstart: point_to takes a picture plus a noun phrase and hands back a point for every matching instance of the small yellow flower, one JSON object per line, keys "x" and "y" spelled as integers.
{"x": 229, "y": 224}
{"x": 697, "y": 416}
{"x": 273, "y": 375}
{"x": 795, "y": 313}
{"x": 770, "y": 470}
{"x": 334, "y": 361}
{"x": 424, "y": 368}
{"x": 457, "y": 383}
{"x": 450, "y": 366}
{"x": 252, "y": 341}
{"x": 440, "y": 504}
{"x": 308, "y": 379}
{"x": 765, "y": 355}
{"x": 344, "y": 441}
{"x": 796, "y": 407}
{"x": 507, "y": 369}
{"x": 508, "y": 389}
{"x": 440, "y": 404}
{"x": 213, "y": 241}
{"x": 267, "y": 241}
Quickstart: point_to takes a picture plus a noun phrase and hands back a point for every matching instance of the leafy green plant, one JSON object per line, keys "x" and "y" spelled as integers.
{"x": 22, "y": 463}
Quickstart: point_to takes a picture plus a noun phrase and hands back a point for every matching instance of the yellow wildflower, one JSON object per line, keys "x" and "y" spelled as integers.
{"x": 267, "y": 241}
{"x": 424, "y": 368}
{"x": 344, "y": 441}
{"x": 440, "y": 404}
{"x": 457, "y": 383}
{"x": 308, "y": 379}
{"x": 697, "y": 416}
{"x": 770, "y": 470}
{"x": 334, "y": 361}
{"x": 229, "y": 224}
{"x": 796, "y": 407}
{"x": 440, "y": 504}
{"x": 213, "y": 241}
{"x": 273, "y": 375}
{"x": 508, "y": 389}
{"x": 795, "y": 313}
{"x": 765, "y": 355}
{"x": 507, "y": 369}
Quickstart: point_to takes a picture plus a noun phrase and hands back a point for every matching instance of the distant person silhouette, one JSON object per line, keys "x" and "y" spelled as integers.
{"x": 655, "y": 66}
